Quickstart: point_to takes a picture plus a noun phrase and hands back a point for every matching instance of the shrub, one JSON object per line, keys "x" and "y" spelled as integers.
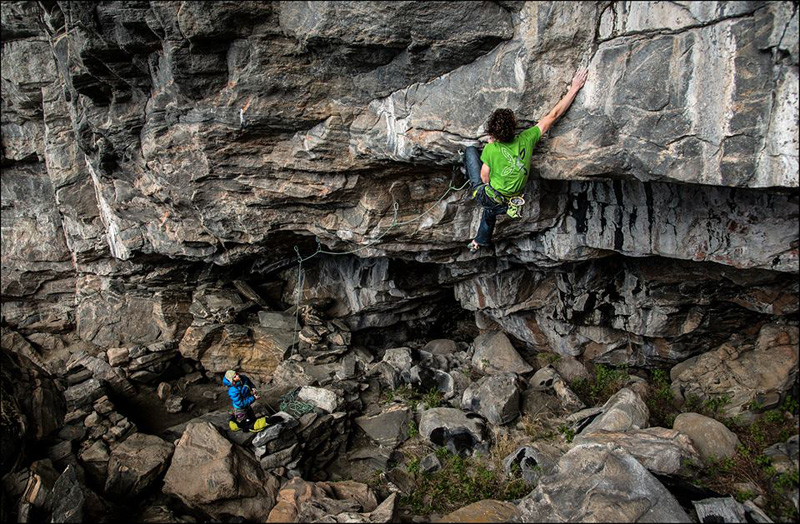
{"x": 605, "y": 382}
{"x": 460, "y": 481}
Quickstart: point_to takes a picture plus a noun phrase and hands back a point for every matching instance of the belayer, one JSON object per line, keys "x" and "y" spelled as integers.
{"x": 242, "y": 393}
{"x": 498, "y": 176}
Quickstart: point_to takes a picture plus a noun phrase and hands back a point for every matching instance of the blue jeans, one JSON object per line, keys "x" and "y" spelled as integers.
{"x": 472, "y": 162}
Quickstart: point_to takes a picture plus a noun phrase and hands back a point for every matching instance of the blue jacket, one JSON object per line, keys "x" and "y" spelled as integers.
{"x": 241, "y": 393}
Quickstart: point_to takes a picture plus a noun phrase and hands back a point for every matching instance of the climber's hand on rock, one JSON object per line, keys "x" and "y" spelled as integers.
{"x": 580, "y": 78}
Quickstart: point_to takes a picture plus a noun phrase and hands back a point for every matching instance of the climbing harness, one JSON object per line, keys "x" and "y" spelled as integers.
{"x": 513, "y": 203}
{"x": 296, "y": 408}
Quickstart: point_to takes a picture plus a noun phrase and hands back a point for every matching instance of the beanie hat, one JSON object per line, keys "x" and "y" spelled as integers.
{"x": 229, "y": 375}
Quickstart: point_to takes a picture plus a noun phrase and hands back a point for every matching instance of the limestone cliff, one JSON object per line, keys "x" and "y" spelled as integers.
{"x": 152, "y": 147}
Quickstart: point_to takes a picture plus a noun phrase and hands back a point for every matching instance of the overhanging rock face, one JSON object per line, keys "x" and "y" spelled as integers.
{"x": 150, "y": 147}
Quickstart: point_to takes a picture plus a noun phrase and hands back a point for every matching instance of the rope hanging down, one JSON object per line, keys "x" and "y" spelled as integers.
{"x": 376, "y": 240}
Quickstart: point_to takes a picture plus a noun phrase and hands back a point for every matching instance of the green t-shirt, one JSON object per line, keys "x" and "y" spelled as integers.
{"x": 510, "y": 162}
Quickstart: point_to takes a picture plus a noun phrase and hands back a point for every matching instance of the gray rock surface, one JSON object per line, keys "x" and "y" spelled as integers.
{"x": 165, "y": 163}
{"x": 388, "y": 428}
{"x": 454, "y": 429}
{"x": 496, "y": 397}
{"x": 136, "y": 464}
{"x": 130, "y": 187}
{"x": 712, "y": 439}
{"x": 724, "y": 509}
{"x": 239, "y": 485}
{"x": 624, "y": 411}
{"x": 322, "y": 398}
{"x": 744, "y": 373}
{"x": 533, "y": 463}
{"x": 603, "y": 483}
{"x": 495, "y": 354}
{"x": 662, "y": 451}
{"x": 785, "y": 456}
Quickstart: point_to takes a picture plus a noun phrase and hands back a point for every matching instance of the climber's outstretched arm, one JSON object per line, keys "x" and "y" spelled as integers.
{"x": 561, "y": 107}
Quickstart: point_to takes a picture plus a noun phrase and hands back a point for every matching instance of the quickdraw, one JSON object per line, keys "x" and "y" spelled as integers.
{"x": 514, "y": 204}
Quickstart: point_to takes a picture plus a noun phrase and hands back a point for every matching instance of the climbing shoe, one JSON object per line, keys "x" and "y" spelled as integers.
{"x": 260, "y": 425}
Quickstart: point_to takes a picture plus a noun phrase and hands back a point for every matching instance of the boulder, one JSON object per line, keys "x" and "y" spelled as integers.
{"x": 483, "y": 511}
{"x": 95, "y": 460}
{"x": 278, "y": 424}
{"x": 784, "y": 455}
{"x": 602, "y": 484}
{"x": 255, "y": 350}
{"x": 460, "y": 433}
{"x": 322, "y": 398}
{"x": 293, "y": 495}
{"x": 276, "y": 320}
{"x": 357, "y": 491}
{"x": 389, "y": 428}
{"x": 424, "y": 378}
{"x": 662, "y": 451}
{"x": 744, "y": 373}
{"x": 67, "y": 499}
{"x": 496, "y": 397}
{"x": 710, "y": 437}
{"x": 283, "y": 458}
{"x": 622, "y": 412}
{"x": 33, "y": 407}
{"x": 117, "y": 356}
{"x": 164, "y": 390}
{"x": 533, "y": 462}
{"x": 103, "y": 371}
{"x": 197, "y": 339}
{"x": 174, "y": 404}
{"x": 347, "y": 501}
{"x": 388, "y": 375}
{"x": 570, "y": 368}
{"x": 548, "y": 379}
{"x": 400, "y": 359}
{"x": 136, "y": 464}
{"x": 84, "y": 393}
{"x": 430, "y": 463}
{"x": 211, "y": 473}
{"x": 722, "y": 509}
{"x": 495, "y": 354}
{"x": 441, "y": 346}
{"x": 535, "y": 403}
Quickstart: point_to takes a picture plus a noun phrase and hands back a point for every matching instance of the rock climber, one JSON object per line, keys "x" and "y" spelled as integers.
{"x": 243, "y": 393}
{"x": 498, "y": 176}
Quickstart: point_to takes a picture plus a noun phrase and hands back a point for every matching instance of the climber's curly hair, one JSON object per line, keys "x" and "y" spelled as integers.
{"x": 502, "y": 125}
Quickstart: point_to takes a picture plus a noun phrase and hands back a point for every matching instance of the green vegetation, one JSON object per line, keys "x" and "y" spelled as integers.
{"x": 750, "y": 465}
{"x": 538, "y": 428}
{"x": 405, "y": 393}
{"x": 460, "y": 481}
{"x": 568, "y": 433}
{"x": 412, "y": 430}
{"x": 660, "y": 401}
{"x": 599, "y": 388}
{"x": 546, "y": 358}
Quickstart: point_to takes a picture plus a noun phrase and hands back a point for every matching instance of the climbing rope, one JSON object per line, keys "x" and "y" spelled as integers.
{"x": 296, "y": 408}
{"x": 376, "y": 240}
